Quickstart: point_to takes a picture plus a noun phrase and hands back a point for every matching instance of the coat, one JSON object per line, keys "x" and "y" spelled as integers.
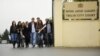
{"x": 30, "y": 26}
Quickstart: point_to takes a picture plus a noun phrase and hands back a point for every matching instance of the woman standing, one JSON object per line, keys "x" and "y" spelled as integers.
{"x": 22, "y": 35}
{"x": 13, "y": 33}
{"x": 19, "y": 29}
{"x": 26, "y": 34}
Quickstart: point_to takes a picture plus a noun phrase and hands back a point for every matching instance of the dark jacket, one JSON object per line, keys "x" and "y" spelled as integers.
{"x": 19, "y": 28}
{"x": 25, "y": 31}
{"x": 13, "y": 29}
{"x": 26, "y": 34}
{"x": 45, "y": 29}
{"x": 30, "y": 26}
{"x": 39, "y": 26}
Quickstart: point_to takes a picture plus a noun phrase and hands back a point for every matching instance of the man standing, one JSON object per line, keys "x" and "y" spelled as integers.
{"x": 32, "y": 30}
{"x": 39, "y": 35}
{"x": 48, "y": 34}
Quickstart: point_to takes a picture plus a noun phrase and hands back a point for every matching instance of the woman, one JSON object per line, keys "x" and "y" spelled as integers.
{"x": 26, "y": 34}
{"x": 19, "y": 30}
{"x": 22, "y": 35}
{"x": 13, "y": 33}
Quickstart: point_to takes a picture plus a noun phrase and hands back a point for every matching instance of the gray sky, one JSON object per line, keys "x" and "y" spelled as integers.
{"x": 23, "y": 10}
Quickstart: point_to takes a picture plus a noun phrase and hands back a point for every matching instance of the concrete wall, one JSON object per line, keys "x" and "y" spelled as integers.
{"x": 74, "y": 33}
{"x": 58, "y": 22}
{"x": 81, "y": 34}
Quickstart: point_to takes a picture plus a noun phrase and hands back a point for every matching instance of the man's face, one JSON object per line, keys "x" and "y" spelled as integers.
{"x": 32, "y": 19}
{"x": 46, "y": 20}
{"x": 38, "y": 18}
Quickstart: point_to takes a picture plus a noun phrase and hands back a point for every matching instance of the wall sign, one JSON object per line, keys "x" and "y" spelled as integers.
{"x": 80, "y": 10}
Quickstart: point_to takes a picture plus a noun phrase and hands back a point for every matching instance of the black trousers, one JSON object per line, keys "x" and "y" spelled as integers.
{"x": 27, "y": 41}
{"x": 39, "y": 40}
{"x": 14, "y": 43}
{"x": 48, "y": 39}
{"x": 20, "y": 41}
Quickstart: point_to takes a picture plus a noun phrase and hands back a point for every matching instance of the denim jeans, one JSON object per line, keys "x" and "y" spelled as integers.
{"x": 33, "y": 38}
{"x": 13, "y": 37}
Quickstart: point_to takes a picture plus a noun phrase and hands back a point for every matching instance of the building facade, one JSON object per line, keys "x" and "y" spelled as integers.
{"x": 71, "y": 30}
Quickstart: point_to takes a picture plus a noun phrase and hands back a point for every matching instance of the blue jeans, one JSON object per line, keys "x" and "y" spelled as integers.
{"x": 33, "y": 38}
{"x": 13, "y": 37}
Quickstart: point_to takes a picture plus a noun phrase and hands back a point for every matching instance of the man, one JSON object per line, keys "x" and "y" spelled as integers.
{"x": 32, "y": 30}
{"x": 39, "y": 25}
{"x": 48, "y": 33}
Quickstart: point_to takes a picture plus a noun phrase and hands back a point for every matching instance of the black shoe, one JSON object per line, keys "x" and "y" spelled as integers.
{"x": 41, "y": 46}
{"x": 33, "y": 46}
{"x": 13, "y": 46}
{"x": 27, "y": 46}
{"x": 18, "y": 46}
{"x": 22, "y": 45}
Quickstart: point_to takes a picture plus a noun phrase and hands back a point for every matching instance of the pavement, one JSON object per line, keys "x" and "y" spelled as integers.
{"x": 7, "y": 50}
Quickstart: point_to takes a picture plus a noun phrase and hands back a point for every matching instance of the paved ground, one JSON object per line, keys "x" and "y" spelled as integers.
{"x": 7, "y": 50}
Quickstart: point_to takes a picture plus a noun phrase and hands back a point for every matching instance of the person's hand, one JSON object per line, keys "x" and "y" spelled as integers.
{"x": 23, "y": 36}
{"x": 40, "y": 30}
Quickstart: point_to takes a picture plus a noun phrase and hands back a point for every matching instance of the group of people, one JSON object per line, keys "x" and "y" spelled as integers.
{"x": 32, "y": 32}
